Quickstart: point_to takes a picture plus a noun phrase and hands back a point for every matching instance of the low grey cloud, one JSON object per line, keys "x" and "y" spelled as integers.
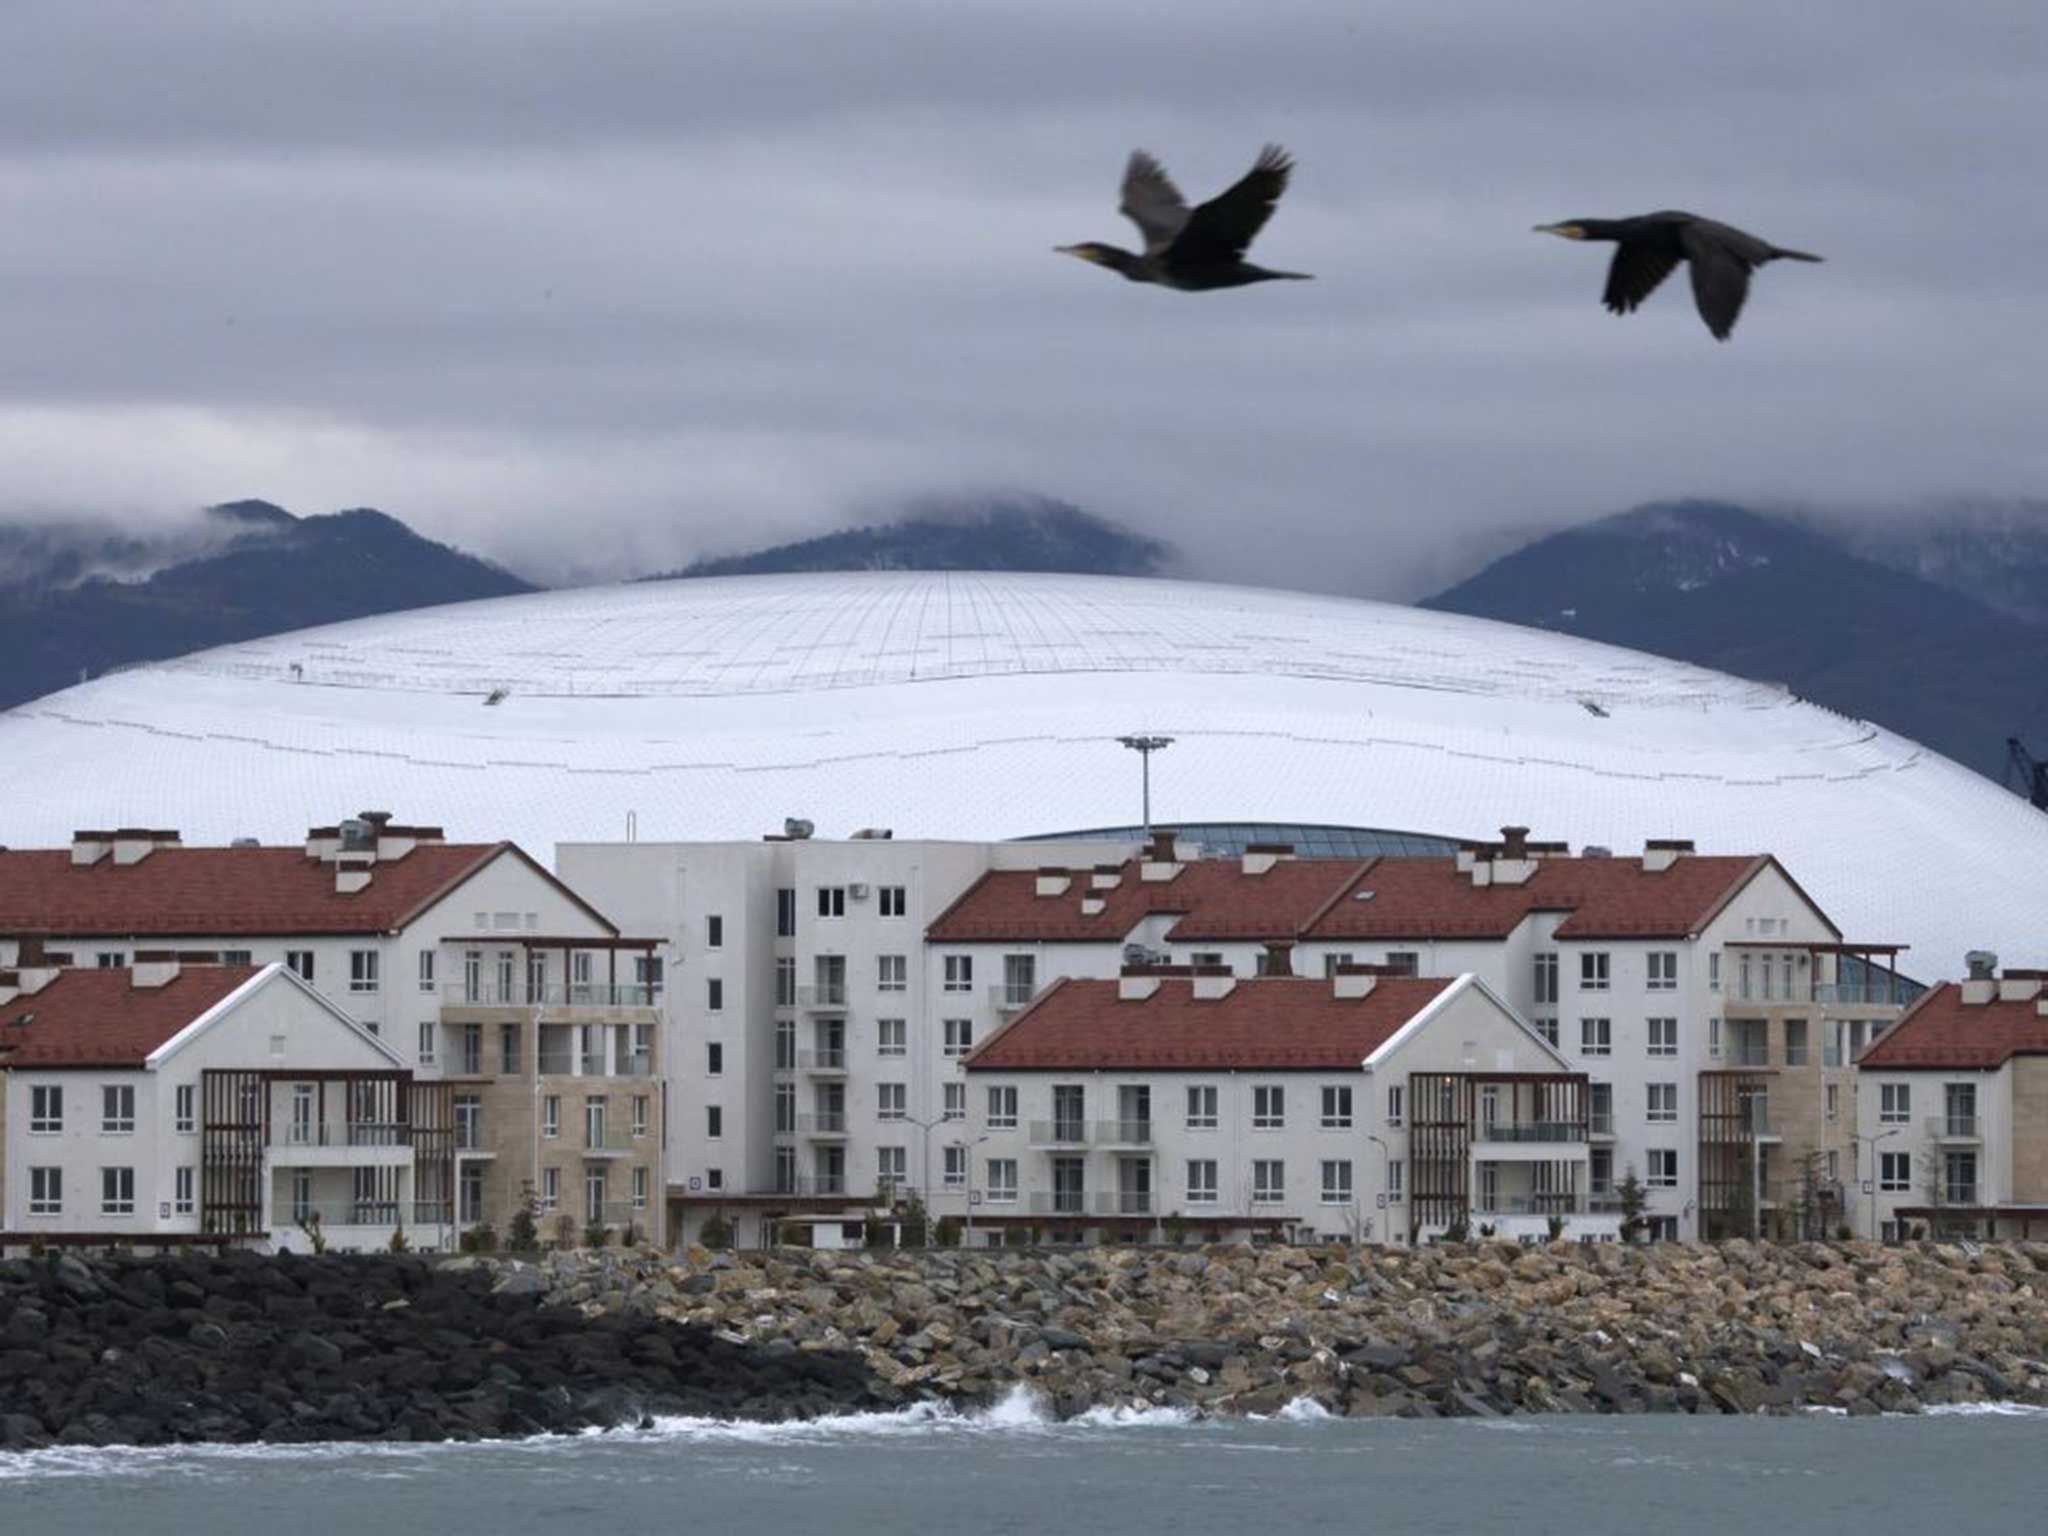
{"x": 600, "y": 287}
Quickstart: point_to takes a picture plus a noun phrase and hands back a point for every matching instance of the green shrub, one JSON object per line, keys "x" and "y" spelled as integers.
{"x": 716, "y": 1233}
{"x": 522, "y": 1235}
{"x": 595, "y": 1235}
{"x": 398, "y": 1241}
{"x": 946, "y": 1231}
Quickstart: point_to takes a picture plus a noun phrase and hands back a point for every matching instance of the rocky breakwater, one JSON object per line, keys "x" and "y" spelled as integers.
{"x": 130, "y": 1351}
{"x": 1487, "y": 1328}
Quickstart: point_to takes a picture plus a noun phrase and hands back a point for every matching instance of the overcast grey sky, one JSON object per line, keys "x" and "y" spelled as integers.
{"x": 604, "y": 285}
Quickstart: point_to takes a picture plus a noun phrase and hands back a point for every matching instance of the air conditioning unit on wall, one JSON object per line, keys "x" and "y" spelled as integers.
{"x": 858, "y": 891}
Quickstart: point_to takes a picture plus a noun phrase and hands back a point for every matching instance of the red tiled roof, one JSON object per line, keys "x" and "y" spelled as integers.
{"x": 1942, "y": 1031}
{"x": 1608, "y": 898}
{"x": 1273, "y": 1023}
{"x": 1215, "y": 898}
{"x": 225, "y": 891}
{"x": 100, "y": 1018}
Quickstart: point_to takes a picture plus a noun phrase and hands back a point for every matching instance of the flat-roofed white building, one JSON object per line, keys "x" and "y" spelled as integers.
{"x": 1184, "y": 1102}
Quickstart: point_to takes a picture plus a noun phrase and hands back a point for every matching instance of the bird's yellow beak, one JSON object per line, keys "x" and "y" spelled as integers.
{"x": 1081, "y": 251}
{"x": 1562, "y": 231}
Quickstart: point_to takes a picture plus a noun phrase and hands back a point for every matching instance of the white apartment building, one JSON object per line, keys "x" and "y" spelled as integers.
{"x": 165, "y": 1099}
{"x": 473, "y": 965}
{"x": 1186, "y": 1102}
{"x": 1952, "y": 1112}
{"x": 813, "y": 1044}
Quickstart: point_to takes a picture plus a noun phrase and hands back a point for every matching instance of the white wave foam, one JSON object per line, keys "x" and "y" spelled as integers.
{"x": 1130, "y": 1416}
{"x": 1986, "y": 1410}
{"x": 1304, "y": 1410}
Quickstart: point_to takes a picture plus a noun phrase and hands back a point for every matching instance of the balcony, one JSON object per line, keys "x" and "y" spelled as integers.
{"x": 1009, "y": 997}
{"x": 1600, "y": 1124}
{"x": 607, "y": 1140}
{"x": 1955, "y": 1128}
{"x": 813, "y": 1186}
{"x": 828, "y": 1061}
{"x": 1536, "y": 1205}
{"x": 1059, "y": 1202}
{"x": 1059, "y": 1133}
{"x": 1125, "y": 1202}
{"x": 1956, "y": 1193}
{"x": 1548, "y": 1131}
{"x": 1123, "y": 1133}
{"x": 831, "y": 1122}
{"x": 824, "y": 997}
{"x": 572, "y": 994}
{"x": 341, "y": 1144}
{"x": 1749, "y": 1053}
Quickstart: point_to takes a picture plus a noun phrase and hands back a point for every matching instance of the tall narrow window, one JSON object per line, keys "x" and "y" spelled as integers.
{"x": 714, "y": 931}
{"x": 362, "y": 970}
{"x": 426, "y": 970}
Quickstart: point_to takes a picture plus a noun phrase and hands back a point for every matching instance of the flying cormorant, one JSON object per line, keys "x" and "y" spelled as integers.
{"x": 1198, "y": 249}
{"x": 1651, "y": 244}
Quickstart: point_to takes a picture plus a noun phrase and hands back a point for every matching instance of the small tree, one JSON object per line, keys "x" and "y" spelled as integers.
{"x": 1556, "y": 1224}
{"x": 565, "y": 1231}
{"x": 1459, "y": 1231}
{"x": 913, "y": 1221}
{"x": 946, "y": 1232}
{"x": 595, "y": 1235}
{"x": 522, "y": 1235}
{"x": 398, "y": 1243}
{"x": 716, "y": 1233}
{"x": 315, "y": 1238}
{"x": 1633, "y": 1198}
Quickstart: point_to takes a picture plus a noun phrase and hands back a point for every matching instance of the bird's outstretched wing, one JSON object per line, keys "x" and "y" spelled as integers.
{"x": 1221, "y": 229}
{"x": 1634, "y": 275}
{"x": 1720, "y": 273}
{"x": 1152, "y": 202}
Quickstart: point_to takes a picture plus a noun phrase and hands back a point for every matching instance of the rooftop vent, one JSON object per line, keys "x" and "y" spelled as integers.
{"x": 1596, "y": 851}
{"x": 495, "y": 696}
{"x": 796, "y": 829}
{"x": 358, "y": 835}
{"x": 874, "y": 834}
{"x": 1983, "y": 964}
{"x": 245, "y": 842}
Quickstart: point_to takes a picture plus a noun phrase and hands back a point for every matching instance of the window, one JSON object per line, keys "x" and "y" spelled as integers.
{"x": 1394, "y": 1181}
{"x": 1600, "y": 1108}
{"x": 1269, "y": 1181}
{"x": 469, "y": 1122}
{"x": 893, "y": 900}
{"x": 1201, "y": 1181}
{"x": 831, "y": 901}
{"x": 891, "y": 1101}
{"x": 1336, "y": 1181}
{"x": 1894, "y": 1103}
{"x": 1002, "y": 1180}
{"x": 1714, "y": 971}
{"x": 1663, "y": 1103}
{"x": 550, "y": 1188}
{"x": 1663, "y": 970}
{"x": 640, "y": 1186}
{"x": 714, "y": 1178}
{"x": 1336, "y": 1108}
{"x": 785, "y": 913}
{"x": 785, "y": 1111}
{"x": 551, "y": 1116}
{"x": 1269, "y": 1108}
{"x": 362, "y": 970}
{"x": 594, "y": 1182}
{"x": 1546, "y": 1028}
{"x": 1593, "y": 972}
{"x": 1714, "y": 1039}
{"x": 1397, "y": 1098}
{"x": 1596, "y": 1037}
{"x": 1002, "y": 1109}
{"x": 593, "y": 1121}
{"x": 959, "y": 1036}
{"x": 110, "y": 959}
{"x": 427, "y": 1028}
{"x": 1663, "y": 1037}
{"x": 891, "y": 1037}
{"x": 1795, "y": 1042}
{"x": 472, "y": 1050}
{"x": 714, "y": 931}
{"x": 1663, "y": 1168}
{"x": 892, "y": 973}
{"x": 1214, "y": 957}
{"x": 300, "y": 961}
{"x": 1332, "y": 963}
{"x": 955, "y": 1101}
{"x": 186, "y": 1115}
{"x": 954, "y": 1170}
{"x": 508, "y": 1049}
{"x": 892, "y": 1166}
{"x": 640, "y": 1107}
{"x": 1600, "y": 1170}
{"x": 1894, "y": 1171}
{"x": 1834, "y": 1167}
{"x": 426, "y": 970}
{"x": 959, "y": 973}
{"x": 1202, "y": 1108}
{"x": 714, "y": 1059}
{"x": 714, "y": 1121}
{"x": 785, "y": 981}
{"x": 1020, "y": 979}
{"x": 1832, "y": 1096}
{"x": 237, "y": 956}
{"x": 46, "y": 1191}
{"x": 1546, "y": 977}
{"x": 785, "y": 1045}
{"x": 117, "y": 1191}
{"x": 117, "y": 1109}
{"x": 1404, "y": 962}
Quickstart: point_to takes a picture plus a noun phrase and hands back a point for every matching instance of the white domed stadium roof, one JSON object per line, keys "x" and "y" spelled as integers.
{"x": 988, "y": 706}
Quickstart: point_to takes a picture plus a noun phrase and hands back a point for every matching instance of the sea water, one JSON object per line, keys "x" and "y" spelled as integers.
{"x": 1010, "y": 1469}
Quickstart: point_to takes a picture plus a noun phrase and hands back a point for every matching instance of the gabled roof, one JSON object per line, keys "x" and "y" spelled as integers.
{"x": 1941, "y": 1031}
{"x": 1214, "y": 899}
{"x": 234, "y": 891}
{"x": 1607, "y": 898}
{"x": 1277, "y": 1023}
{"x": 100, "y": 1018}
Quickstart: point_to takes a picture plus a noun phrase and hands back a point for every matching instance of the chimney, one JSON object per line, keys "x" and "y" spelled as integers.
{"x": 1514, "y": 843}
{"x": 352, "y": 872}
{"x": 1212, "y": 982}
{"x": 1660, "y": 853}
{"x": 134, "y": 844}
{"x": 1162, "y": 850}
{"x": 1511, "y": 862}
{"x": 1160, "y": 863}
{"x": 2018, "y": 989}
{"x": 90, "y": 847}
{"x": 1483, "y": 856}
{"x": 1982, "y": 964}
{"x": 1135, "y": 985}
{"x": 1354, "y": 981}
{"x": 1107, "y": 877}
{"x": 1051, "y": 882}
{"x": 153, "y": 968}
{"x": 1277, "y": 958}
{"x": 1468, "y": 853}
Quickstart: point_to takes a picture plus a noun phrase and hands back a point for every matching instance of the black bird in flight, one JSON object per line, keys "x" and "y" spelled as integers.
{"x": 1198, "y": 249}
{"x": 1648, "y": 246}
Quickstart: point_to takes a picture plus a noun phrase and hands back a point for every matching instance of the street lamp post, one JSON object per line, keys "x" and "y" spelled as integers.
{"x": 1145, "y": 746}
{"x": 1386, "y": 1162}
{"x": 967, "y": 1241}
{"x": 1872, "y": 1142}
